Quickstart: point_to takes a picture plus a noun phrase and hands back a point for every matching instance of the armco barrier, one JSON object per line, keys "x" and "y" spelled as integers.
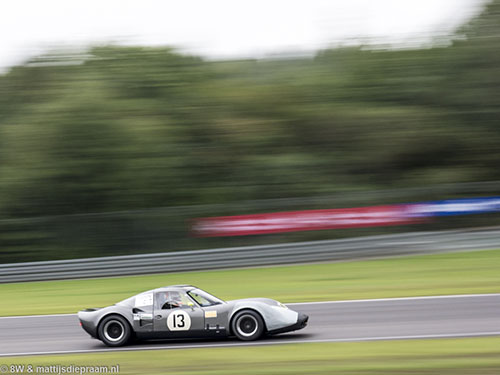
{"x": 353, "y": 248}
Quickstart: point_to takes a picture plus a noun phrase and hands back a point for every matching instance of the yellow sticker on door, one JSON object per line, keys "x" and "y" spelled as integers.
{"x": 211, "y": 314}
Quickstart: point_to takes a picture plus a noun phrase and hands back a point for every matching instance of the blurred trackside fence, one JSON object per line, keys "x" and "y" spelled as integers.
{"x": 355, "y": 248}
{"x": 167, "y": 229}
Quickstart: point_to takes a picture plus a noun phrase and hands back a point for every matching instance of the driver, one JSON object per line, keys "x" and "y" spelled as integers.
{"x": 172, "y": 300}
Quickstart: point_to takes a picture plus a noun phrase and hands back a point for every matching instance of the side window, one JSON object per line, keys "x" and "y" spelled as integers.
{"x": 144, "y": 300}
{"x": 172, "y": 300}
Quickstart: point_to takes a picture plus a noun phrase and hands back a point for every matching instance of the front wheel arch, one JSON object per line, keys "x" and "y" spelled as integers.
{"x": 239, "y": 312}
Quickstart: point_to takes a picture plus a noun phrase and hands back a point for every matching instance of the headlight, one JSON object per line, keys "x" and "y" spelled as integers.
{"x": 281, "y": 305}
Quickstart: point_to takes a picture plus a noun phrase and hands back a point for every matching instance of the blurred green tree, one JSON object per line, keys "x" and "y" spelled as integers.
{"x": 133, "y": 128}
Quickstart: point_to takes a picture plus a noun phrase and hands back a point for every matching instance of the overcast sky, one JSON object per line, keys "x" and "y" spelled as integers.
{"x": 222, "y": 28}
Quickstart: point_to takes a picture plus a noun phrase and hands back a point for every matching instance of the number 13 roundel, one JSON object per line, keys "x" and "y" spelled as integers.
{"x": 179, "y": 321}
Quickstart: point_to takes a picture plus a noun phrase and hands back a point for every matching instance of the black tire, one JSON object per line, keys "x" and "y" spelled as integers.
{"x": 247, "y": 325}
{"x": 114, "y": 330}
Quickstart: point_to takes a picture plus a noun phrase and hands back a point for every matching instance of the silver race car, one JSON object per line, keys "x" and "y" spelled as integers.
{"x": 184, "y": 311}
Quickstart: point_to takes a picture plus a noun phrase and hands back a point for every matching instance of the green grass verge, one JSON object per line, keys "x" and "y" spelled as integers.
{"x": 472, "y": 356}
{"x": 451, "y": 273}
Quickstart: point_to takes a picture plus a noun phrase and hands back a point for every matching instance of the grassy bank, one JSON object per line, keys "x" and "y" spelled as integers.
{"x": 451, "y": 273}
{"x": 444, "y": 356}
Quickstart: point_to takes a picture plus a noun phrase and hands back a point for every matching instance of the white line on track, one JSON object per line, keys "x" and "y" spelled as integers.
{"x": 406, "y": 243}
{"x": 261, "y": 343}
{"x": 35, "y": 316}
{"x": 313, "y": 303}
{"x": 398, "y": 299}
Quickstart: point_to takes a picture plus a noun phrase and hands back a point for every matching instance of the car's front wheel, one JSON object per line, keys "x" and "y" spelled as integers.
{"x": 247, "y": 325}
{"x": 114, "y": 331}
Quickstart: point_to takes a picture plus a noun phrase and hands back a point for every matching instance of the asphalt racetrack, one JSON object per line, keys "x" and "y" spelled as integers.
{"x": 360, "y": 320}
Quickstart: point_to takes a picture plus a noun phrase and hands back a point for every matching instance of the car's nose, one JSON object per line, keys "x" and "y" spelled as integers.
{"x": 302, "y": 320}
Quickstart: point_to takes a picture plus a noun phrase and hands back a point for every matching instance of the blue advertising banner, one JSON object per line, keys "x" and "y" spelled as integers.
{"x": 449, "y": 207}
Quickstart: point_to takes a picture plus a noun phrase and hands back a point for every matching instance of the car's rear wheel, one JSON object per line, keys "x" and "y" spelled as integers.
{"x": 114, "y": 331}
{"x": 247, "y": 325}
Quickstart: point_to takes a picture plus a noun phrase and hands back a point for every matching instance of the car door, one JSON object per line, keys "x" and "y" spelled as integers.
{"x": 178, "y": 319}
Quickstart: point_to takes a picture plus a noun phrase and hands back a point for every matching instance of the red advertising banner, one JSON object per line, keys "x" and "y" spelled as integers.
{"x": 295, "y": 221}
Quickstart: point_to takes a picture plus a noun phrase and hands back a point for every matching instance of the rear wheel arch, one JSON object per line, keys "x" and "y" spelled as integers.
{"x": 101, "y": 319}
{"x": 129, "y": 332}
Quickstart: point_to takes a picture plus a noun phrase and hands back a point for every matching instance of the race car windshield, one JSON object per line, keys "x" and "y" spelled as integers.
{"x": 203, "y": 298}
